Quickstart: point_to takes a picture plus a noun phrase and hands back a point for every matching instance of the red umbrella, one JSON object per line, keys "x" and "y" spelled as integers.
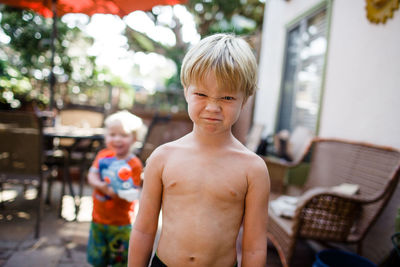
{"x": 88, "y": 7}
{"x": 54, "y": 8}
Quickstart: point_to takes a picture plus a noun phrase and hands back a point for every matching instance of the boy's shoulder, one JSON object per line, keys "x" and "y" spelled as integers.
{"x": 248, "y": 159}
{"x": 133, "y": 160}
{"x": 169, "y": 148}
{"x": 105, "y": 153}
{"x": 109, "y": 154}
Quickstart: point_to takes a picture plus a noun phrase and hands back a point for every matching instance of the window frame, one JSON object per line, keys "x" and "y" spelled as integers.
{"x": 300, "y": 21}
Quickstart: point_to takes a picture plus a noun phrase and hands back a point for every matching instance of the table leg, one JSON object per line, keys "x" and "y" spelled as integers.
{"x": 67, "y": 179}
{"x": 64, "y": 177}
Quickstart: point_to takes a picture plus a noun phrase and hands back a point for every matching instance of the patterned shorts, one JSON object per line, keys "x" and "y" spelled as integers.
{"x": 108, "y": 245}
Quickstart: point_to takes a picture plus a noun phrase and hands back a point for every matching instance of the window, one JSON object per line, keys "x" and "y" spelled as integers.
{"x": 303, "y": 72}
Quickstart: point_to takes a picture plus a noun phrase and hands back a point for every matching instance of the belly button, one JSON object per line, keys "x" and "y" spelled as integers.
{"x": 192, "y": 258}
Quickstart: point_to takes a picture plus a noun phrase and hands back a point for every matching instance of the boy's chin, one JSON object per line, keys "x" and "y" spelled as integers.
{"x": 121, "y": 153}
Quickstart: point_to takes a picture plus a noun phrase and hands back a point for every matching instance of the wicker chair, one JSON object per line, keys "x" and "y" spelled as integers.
{"x": 21, "y": 155}
{"x": 81, "y": 117}
{"x": 330, "y": 217}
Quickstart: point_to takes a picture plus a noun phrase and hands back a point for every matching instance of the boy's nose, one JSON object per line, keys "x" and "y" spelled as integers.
{"x": 213, "y": 105}
{"x": 117, "y": 138}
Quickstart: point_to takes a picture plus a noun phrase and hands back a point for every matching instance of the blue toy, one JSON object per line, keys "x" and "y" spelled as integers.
{"x": 119, "y": 176}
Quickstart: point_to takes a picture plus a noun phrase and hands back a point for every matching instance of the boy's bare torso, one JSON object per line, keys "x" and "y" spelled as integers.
{"x": 203, "y": 200}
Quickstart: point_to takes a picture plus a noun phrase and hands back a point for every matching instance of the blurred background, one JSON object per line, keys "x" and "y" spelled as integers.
{"x": 327, "y": 69}
{"x": 103, "y": 60}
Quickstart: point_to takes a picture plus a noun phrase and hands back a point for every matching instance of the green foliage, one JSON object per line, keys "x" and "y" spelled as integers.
{"x": 30, "y": 36}
{"x": 243, "y": 17}
{"x": 140, "y": 41}
{"x": 15, "y": 89}
{"x": 222, "y": 15}
{"x": 28, "y": 55}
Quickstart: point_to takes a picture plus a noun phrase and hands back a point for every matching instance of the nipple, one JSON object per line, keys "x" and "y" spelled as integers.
{"x": 172, "y": 184}
{"x": 233, "y": 193}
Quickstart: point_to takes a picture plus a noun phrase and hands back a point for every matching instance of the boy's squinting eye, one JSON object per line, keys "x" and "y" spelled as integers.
{"x": 199, "y": 94}
{"x": 227, "y": 98}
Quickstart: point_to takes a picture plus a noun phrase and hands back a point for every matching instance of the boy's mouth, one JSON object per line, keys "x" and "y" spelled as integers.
{"x": 117, "y": 147}
{"x": 212, "y": 119}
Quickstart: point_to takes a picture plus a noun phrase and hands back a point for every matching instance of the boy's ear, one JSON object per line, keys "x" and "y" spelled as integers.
{"x": 244, "y": 102}
{"x": 185, "y": 93}
{"x": 134, "y": 135}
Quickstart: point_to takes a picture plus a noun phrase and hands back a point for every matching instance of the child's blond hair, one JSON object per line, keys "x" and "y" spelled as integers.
{"x": 229, "y": 57}
{"x": 129, "y": 122}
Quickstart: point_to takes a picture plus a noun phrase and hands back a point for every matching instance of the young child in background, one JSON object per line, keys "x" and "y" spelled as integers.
{"x": 207, "y": 183}
{"x": 112, "y": 215}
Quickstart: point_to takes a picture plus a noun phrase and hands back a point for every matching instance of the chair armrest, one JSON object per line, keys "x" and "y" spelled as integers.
{"x": 280, "y": 172}
{"x": 277, "y": 169}
{"x": 327, "y": 191}
{"x": 279, "y": 162}
{"x": 323, "y": 214}
{"x": 309, "y": 194}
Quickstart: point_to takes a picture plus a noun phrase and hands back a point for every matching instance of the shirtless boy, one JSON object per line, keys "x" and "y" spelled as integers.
{"x": 207, "y": 183}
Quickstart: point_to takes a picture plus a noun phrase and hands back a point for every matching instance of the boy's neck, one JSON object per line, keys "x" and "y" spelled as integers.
{"x": 121, "y": 157}
{"x": 214, "y": 140}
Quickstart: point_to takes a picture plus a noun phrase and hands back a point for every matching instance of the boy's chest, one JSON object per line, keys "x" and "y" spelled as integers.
{"x": 210, "y": 179}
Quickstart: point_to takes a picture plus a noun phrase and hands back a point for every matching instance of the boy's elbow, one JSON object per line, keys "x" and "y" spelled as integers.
{"x": 254, "y": 251}
{"x": 140, "y": 248}
{"x": 254, "y": 258}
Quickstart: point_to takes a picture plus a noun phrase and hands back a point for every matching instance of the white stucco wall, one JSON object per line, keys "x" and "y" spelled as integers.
{"x": 362, "y": 86}
{"x": 361, "y": 95}
{"x": 362, "y": 90}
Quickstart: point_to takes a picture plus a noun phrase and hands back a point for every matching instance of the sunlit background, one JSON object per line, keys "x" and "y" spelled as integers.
{"x": 104, "y": 60}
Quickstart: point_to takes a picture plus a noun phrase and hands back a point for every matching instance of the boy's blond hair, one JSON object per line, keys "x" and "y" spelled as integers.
{"x": 129, "y": 122}
{"x": 229, "y": 57}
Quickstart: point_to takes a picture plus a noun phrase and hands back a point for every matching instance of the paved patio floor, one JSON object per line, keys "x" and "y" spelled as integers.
{"x": 62, "y": 243}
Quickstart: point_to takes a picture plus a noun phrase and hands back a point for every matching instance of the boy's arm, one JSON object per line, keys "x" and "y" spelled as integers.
{"x": 254, "y": 246}
{"x": 145, "y": 227}
{"x": 95, "y": 181}
{"x": 94, "y": 178}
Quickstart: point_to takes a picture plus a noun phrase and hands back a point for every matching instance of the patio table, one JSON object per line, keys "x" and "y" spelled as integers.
{"x": 77, "y": 134}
